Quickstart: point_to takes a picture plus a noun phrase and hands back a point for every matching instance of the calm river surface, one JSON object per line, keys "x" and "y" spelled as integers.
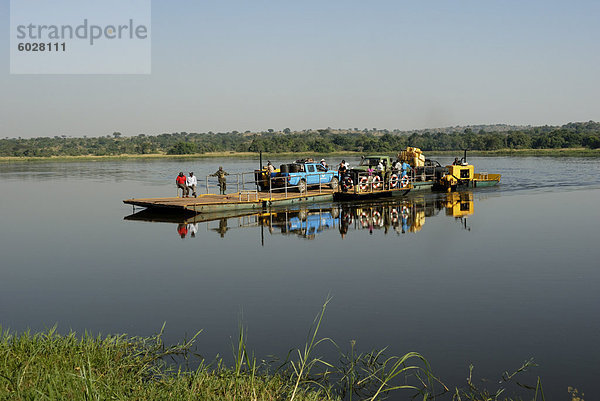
{"x": 518, "y": 278}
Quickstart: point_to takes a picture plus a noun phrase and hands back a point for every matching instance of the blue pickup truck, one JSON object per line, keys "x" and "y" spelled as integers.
{"x": 303, "y": 175}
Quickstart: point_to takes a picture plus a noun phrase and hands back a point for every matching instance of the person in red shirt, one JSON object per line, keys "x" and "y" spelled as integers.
{"x": 181, "y": 183}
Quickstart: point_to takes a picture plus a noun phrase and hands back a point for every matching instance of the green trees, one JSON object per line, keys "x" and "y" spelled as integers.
{"x": 183, "y": 148}
{"x": 586, "y": 134}
{"x": 518, "y": 140}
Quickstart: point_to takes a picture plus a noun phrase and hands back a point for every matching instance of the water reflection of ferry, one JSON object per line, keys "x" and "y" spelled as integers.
{"x": 400, "y": 216}
{"x": 188, "y": 227}
{"x": 407, "y": 216}
{"x": 305, "y": 223}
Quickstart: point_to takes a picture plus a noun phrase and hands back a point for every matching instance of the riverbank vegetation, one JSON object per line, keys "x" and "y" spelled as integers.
{"x": 571, "y": 139}
{"x": 50, "y": 366}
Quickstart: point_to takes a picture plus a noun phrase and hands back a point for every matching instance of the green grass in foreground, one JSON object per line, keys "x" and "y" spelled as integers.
{"x": 49, "y": 366}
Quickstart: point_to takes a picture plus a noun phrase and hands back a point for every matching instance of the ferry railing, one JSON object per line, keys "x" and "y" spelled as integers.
{"x": 248, "y": 192}
{"x": 245, "y": 183}
{"x": 428, "y": 173}
{"x": 280, "y": 184}
{"x": 242, "y": 182}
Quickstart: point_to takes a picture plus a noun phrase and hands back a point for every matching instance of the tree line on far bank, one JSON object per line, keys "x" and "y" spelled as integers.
{"x": 571, "y": 135}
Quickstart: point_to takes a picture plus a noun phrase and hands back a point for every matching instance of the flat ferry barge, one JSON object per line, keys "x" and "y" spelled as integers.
{"x": 305, "y": 182}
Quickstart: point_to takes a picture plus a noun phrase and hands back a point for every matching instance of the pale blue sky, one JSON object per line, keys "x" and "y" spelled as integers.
{"x": 238, "y": 65}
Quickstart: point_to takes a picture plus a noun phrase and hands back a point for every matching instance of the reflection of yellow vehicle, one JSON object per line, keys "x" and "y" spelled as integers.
{"x": 418, "y": 221}
{"x": 459, "y": 204}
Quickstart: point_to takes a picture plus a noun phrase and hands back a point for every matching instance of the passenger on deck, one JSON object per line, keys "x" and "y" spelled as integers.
{"x": 342, "y": 170}
{"x": 324, "y": 164}
{"x": 370, "y": 172}
{"x": 182, "y": 183}
{"x": 220, "y": 174}
{"x": 405, "y": 169}
{"x": 456, "y": 162}
{"x": 270, "y": 168}
{"x": 382, "y": 173}
{"x": 191, "y": 183}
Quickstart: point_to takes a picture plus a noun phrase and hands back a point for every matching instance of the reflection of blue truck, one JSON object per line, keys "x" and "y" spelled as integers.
{"x": 314, "y": 223}
{"x": 303, "y": 175}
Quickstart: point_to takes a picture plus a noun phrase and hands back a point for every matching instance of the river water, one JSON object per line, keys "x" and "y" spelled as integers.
{"x": 491, "y": 277}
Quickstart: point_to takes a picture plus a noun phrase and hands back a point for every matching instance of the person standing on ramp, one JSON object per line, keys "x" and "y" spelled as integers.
{"x": 220, "y": 174}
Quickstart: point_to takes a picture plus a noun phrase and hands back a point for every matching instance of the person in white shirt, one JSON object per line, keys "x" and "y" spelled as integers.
{"x": 191, "y": 182}
{"x": 270, "y": 168}
{"x": 380, "y": 166}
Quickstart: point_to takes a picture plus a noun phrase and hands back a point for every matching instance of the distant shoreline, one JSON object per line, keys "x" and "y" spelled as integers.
{"x": 566, "y": 152}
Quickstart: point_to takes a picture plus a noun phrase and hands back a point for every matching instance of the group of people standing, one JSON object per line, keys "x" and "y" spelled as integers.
{"x": 190, "y": 182}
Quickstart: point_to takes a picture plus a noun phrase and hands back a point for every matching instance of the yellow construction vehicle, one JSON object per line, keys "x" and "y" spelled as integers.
{"x": 462, "y": 174}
